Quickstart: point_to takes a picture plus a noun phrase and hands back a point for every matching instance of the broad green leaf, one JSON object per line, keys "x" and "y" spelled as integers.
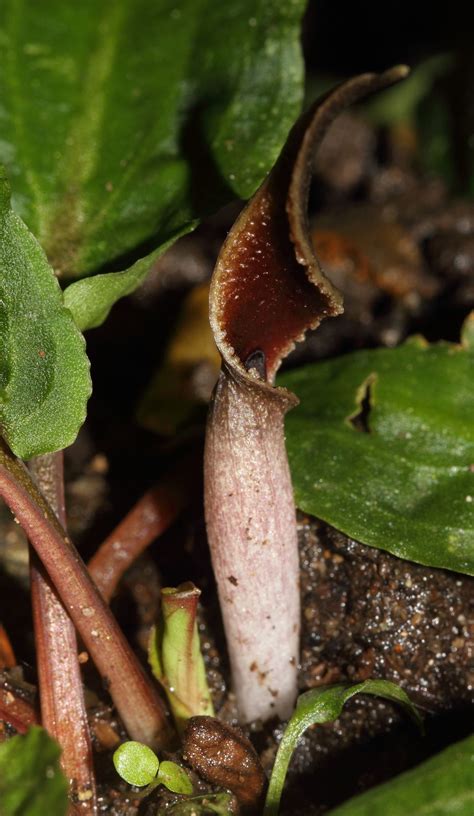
{"x": 91, "y": 299}
{"x": 175, "y": 778}
{"x": 442, "y": 786}
{"x": 120, "y": 121}
{"x": 222, "y": 804}
{"x": 406, "y": 484}
{"x": 136, "y": 763}
{"x": 322, "y": 705}
{"x": 44, "y": 370}
{"x": 31, "y": 780}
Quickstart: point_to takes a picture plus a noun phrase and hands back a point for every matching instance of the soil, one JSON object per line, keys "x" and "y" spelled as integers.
{"x": 403, "y": 253}
{"x": 369, "y": 614}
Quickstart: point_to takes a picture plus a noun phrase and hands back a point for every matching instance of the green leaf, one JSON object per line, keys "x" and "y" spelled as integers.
{"x": 136, "y": 763}
{"x": 31, "y": 780}
{"x": 123, "y": 121}
{"x": 406, "y": 485}
{"x": 91, "y": 299}
{"x": 442, "y": 786}
{"x": 44, "y": 370}
{"x": 400, "y": 103}
{"x": 439, "y": 151}
{"x": 322, "y": 705}
{"x": 175, "y": 778}
{"x": 222, "y": 804}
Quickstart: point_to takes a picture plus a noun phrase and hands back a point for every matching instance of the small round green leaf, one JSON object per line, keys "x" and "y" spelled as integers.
{"x": 136, "y": 763}
{"x": 173, "y": 777}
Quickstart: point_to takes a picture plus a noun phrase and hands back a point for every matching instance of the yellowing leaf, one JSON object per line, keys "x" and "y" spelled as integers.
{"x": 183, "y": 384}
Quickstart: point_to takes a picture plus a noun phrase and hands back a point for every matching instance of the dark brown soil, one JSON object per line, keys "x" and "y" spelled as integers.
{"x": 369, "y": 614}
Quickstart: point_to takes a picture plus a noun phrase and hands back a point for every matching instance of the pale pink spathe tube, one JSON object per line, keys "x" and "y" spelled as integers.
{"x": 267, "y": 290}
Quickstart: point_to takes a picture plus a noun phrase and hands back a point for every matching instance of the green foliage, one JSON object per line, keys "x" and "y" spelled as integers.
{"x": 120, "y": 122}
{"x": 31, "y": 781}
{"x": 425, "y": 102}
{"x": 91, "y": 299}
{"x": 406, "y": 484}
{"x": 442, "y": 786}
{"x": 222, "y": 804}
{"x": 322, "y": 705}
{"x": 445, "y": 123}
{"x": 44, "y": 370}
{"x": 175, "y": 778}
{"x": 436, "y": 136}
{"x": 138, "y": 765}
{"x": 401, "y": 102}
{"x": 119, "y": 126}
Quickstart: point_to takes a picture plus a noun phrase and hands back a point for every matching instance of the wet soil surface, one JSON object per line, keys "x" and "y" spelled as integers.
{"x": 369, "y": 614}
{"x": 403, "y": 254}
{"x": 365, "y": 614}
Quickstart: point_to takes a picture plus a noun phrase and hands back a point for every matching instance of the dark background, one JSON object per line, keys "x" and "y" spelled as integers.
{"x": 342, "y": 37}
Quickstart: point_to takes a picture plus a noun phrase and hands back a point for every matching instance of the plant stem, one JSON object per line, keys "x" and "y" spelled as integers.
{"x": 16, "y": 712}
{"x": 7, "y": 655}
{"x": 175, "y": 655}
{"x": 150, "y": 517}
{"x": 137, "y": 701}
{"x": 63, "y": 711}
{"x": 257, "y": 571}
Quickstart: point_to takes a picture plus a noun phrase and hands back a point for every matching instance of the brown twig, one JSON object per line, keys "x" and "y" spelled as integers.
{"x": 63, "y": 711}
{"x": 149, "y": 518}
{"x": 137, "y": 701}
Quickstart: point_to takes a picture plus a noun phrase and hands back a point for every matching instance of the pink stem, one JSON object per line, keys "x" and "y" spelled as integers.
{"x": 63, "y": 711}
{"x": 150, "y": 517}
{"x": 137, "y": 701}
{"x": 16, "y": 712}
{"x": 250, "y": 509}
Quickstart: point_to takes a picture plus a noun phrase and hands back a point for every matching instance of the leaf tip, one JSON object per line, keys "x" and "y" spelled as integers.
{"x": 399, "y": 72}
{"x": 467, "y": 332}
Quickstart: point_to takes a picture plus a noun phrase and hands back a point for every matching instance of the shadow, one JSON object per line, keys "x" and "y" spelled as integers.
{"x": 333, "y": 779}
{"x": 207, "y": 187}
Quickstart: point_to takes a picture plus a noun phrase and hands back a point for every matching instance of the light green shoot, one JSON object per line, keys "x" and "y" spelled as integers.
{"x": 175, "y": 655}
{"x": 322, "y": 705}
